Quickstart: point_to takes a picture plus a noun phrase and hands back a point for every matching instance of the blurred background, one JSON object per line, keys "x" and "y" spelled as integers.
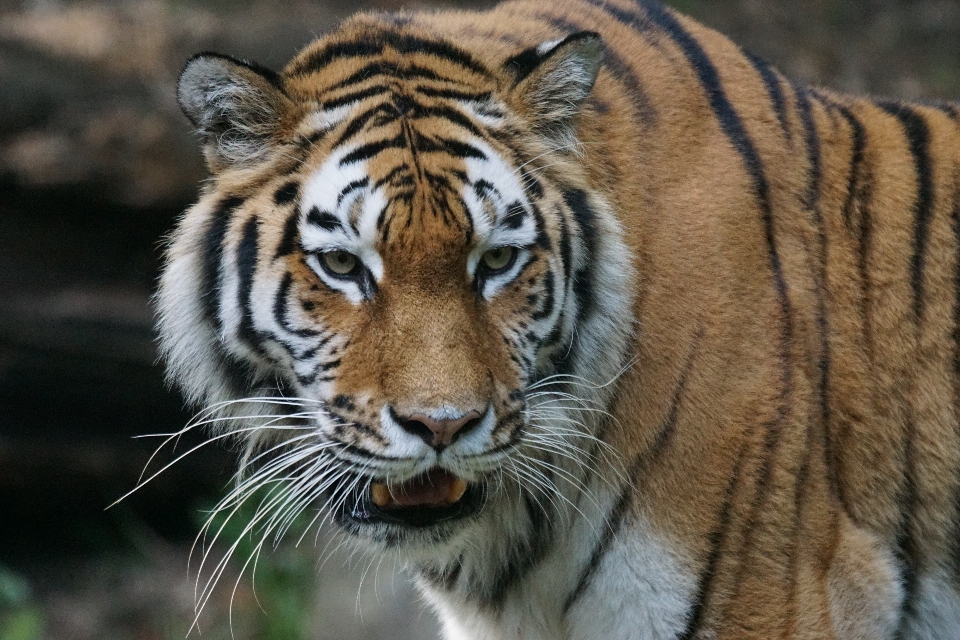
{"x": 96, "y": 162}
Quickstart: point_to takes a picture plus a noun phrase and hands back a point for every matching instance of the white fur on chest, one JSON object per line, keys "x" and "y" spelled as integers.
{"x": 641, "y": 588}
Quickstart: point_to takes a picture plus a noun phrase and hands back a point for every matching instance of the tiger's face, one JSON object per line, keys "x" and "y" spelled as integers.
{"x": 385, "y": 269}
{"x": 432, "y": 280}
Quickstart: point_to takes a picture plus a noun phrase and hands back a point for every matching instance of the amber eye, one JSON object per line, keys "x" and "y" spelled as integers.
{"x": 339, "y": 263}
{"x": 499, "y": 258}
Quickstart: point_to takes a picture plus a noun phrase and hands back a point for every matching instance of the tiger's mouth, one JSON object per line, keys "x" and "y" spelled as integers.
{"x": 426, "y": 500}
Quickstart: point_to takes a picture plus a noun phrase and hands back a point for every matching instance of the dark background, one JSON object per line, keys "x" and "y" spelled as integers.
{"x": 96, "y": 162}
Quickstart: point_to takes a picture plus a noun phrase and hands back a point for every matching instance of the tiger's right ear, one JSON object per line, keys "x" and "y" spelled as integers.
{"x": 235, "y": 105}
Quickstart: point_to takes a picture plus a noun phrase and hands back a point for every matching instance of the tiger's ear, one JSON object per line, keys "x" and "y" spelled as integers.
{"x": 235, "y": 105}
{"x": 552, "y": 81}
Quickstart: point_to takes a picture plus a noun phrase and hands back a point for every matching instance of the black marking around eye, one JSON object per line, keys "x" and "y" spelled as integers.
{"x": 323, "y": 219}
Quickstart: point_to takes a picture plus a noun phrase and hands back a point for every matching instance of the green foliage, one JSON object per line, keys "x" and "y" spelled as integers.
{"x": 283, "y": 577}
{"x": 20, "y": 619}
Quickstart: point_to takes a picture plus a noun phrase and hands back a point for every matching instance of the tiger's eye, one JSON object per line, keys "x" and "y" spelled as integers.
{"x": 499, "y": 258}
{"x": 339, "y": 262}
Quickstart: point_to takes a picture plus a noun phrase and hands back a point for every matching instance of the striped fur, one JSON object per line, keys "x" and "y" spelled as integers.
{"x": 719, "y": 384}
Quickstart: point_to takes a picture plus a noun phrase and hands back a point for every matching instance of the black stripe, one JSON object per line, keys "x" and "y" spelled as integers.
{"x": 212, "y": 256}
{"x": 856, "y": 160}
{"x": 717, "y": 538}
{"x": 291, "y": 231}
{"x": 356, "y": 96}
{"x": 525, "y": 553}
{"x": 451, "y": 146}
{"x": 454, "y": 94}
{"x": 383, "y": 68}
{"x": 286, "y": 193}
{"x": 548, "y": 298}
{"x": 614, "y": 521}
{"x": 733, "y": 127}
{"x": 812, "y": 141}
{"x": 812, "y": 201}
{"x": 955, "y": 219}
{"x": 583, "y": 279}
{"x": 772, "y": 81}
{"x": 918, "y": 135}
{"x": 385, "y": 110}
{"x": 367, "y": 151}
{"x": 323, "y": 219}
{"x": 735, "y": 131}
{"x": 451, "y": 115}
{"x": 247, "y": 252}
{"x": 531, "y": 186}
{"x": 543, "y": 238}
{"x": 350, "y": 188}
{"x": 907, "y": 548}
{"x": 515, "y": 217}
{"x": 280, "y": 311}
{"x": 664, "y": 437}
{"x": 373, "y": 44}
{"x": 396, "y": 171}
{"x": 338, "y": 50}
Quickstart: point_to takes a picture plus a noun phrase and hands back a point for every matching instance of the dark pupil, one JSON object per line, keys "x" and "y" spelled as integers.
{"x": 341, "y": 259}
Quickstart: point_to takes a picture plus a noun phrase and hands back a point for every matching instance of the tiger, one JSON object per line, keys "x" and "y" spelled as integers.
{"x": 601, "y": 325}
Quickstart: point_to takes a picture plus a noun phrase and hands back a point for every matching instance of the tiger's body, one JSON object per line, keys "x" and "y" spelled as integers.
{"x": 682, "y": 335}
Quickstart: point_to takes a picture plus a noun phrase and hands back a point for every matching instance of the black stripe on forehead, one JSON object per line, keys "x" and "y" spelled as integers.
{"x": 375, "y": 44}
{"x": 388, "y": 70}
{"x": 367, "y": 151}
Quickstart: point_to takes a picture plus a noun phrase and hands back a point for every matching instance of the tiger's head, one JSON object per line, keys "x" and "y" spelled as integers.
{"x": 395, "y": 275}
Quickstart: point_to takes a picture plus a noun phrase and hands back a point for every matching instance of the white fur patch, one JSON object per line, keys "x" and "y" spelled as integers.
{"x": 936, "y": 609}
{"x": 642, "y": 589}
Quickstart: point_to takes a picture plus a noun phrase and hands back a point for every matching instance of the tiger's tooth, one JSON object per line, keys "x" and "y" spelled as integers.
{"x": 457, "y": 489}
{"x": 380, "y": 494}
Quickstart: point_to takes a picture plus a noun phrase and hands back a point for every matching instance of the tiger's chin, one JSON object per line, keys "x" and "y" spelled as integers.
{"x": 427, "y": 508}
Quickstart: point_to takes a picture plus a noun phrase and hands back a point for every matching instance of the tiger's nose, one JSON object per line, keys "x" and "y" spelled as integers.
{"x": 439, "y": 434}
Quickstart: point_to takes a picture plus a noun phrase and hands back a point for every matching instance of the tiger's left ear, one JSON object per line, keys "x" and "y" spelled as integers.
{"x": 552, "y": 80}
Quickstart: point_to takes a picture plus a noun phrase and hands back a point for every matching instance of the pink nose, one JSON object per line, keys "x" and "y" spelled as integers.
{"x": 439, "y": 434}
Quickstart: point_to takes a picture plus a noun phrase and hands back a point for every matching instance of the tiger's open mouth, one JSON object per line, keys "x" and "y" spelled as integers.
{"x": 428, "y": 499}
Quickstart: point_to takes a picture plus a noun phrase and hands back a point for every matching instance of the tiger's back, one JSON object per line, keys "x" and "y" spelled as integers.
{"x": 752, "y": 285}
